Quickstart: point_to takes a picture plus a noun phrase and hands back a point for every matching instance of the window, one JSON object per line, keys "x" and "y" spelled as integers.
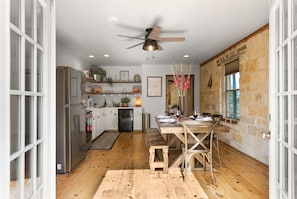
{"x": 232, "y": 89}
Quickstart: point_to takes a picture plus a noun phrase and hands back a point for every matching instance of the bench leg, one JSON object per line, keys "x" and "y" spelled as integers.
{"x": 165, "y": 159}
{"x": 152, "y": 160}
{"x": 153, "y": 164}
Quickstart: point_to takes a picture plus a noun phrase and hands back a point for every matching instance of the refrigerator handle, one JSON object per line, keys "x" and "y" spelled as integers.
{"x": 67, "y": 88}
{"x": 68, "y": 139}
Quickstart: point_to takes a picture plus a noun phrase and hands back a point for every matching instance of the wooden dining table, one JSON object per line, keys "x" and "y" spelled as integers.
{"x": 176, "y": 128}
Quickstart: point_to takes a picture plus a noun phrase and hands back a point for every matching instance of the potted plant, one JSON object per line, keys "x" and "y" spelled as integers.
{"x": 125, "y": 101}
{"x": 97, "y": 73}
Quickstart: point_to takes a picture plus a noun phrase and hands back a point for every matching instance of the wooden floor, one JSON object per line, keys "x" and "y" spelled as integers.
{"x": 239, "y": 177}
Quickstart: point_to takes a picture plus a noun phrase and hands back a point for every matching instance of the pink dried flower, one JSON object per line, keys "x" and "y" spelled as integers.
{"x": 181, "y": 81}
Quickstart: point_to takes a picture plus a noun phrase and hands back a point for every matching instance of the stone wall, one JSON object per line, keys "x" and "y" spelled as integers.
{"x": 245, "y": 134}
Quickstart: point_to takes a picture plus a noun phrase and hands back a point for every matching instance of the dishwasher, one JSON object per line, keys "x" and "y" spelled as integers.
{"x": 125, "y": 120}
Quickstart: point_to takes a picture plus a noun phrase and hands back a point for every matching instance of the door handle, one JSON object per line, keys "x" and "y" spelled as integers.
{"x": 266, "y": 135}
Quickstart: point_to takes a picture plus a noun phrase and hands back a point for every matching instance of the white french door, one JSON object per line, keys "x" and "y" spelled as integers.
{"x": 27, "y": 141}
{"x": 283, "y": 99}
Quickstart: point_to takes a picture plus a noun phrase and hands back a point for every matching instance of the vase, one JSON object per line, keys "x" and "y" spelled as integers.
{"x": 181, "y": 103}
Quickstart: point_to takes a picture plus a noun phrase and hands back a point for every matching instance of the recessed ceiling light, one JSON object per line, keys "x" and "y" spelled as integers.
{"x": 186, "y": 56}
{"x": 91, "y": 56}
{"x": 113, "y": 19}
{"x": 106, "y": 55}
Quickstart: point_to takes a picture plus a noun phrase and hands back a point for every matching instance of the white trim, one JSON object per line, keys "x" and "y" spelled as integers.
{"x": 272, "y": 84}
{"x": 4, "y": 96}
{"x": 49, "y": 147}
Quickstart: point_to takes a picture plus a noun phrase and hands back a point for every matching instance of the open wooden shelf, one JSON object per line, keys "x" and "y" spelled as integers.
{"x": 113, "y": 82}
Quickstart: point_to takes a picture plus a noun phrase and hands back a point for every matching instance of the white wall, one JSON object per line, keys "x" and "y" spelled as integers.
{"x": 65, "y": 57}
{"x": 156, "y": 105}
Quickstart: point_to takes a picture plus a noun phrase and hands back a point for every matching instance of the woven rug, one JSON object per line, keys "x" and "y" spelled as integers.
{"x": 105, "y": 141}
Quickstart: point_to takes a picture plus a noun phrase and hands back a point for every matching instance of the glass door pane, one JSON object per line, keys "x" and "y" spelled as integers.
{"x": 285, "y": 166}
{"x": 295, "y": 123}
{"x": 29, "y": 120}
{"x": 15, "y": 123}
{"x": 29, "y": 18}
{"x": 15, "y": 60}
{"x": 15, "y": 12}
{"x": 285, "y": 19}
{"x": 39, "y": 23}
{"x": 28, "y": 182}
{"x": 29, "y": 64}
{"x": 15, "y": 178}
{"x": 39, "y": 70}
{"x": 285, "y": 68}
{"x": 285, "y": 120}
{"x": 295, "y": 14}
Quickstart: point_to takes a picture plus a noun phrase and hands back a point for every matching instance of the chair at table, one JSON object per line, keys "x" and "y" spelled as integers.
{"x": 217, "y": 117}
{"x": 195, "y": 147}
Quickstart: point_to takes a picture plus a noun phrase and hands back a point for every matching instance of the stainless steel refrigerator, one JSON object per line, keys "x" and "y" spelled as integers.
{"x": 72, "y": 140}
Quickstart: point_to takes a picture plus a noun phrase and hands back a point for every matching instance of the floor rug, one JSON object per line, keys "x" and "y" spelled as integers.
{"x": 105, "y": 141}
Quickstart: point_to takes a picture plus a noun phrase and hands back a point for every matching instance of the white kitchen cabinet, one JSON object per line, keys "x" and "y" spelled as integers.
{"x": 94, "y": 124}
{"x": 111, "y": 118}
{"x": 98, "y": 121}
{"x": 107, "y": 119}
{"x": 137, "y": 123}
{"x": 102, "y": 120}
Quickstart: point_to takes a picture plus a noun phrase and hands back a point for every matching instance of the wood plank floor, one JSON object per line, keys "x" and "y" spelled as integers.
{"x": 239, "y": 177}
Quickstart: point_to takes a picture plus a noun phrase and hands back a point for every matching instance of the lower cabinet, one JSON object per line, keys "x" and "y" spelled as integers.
{"x": 103, "y": 120}
{"x": 107, "y": 119}
{"x": 98, "y": 122}
{"x": 137, "y": 124}
{"x": 111, "y": 118}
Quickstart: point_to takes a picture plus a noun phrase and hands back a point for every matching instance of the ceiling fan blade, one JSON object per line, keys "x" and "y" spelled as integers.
{"x": 156, "y": 21}
{"x": 135, "y": 45}
{"x": 130, "y": 37}
{"x": 170, "y": 39}
{"x": 155, "y": 33}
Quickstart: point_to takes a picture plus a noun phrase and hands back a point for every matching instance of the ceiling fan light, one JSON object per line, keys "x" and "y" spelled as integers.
{"x": 150, "y": 45}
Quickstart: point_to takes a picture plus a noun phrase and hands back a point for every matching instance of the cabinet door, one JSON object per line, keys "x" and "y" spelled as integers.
{"x": 103, "y": 120}
{"x": 98, "y": 125}
{"x": 137, "y": 119}
{"x": 94, "y": 124}
{"x": 115, "y": 119}
{"x": 112, "y": 118}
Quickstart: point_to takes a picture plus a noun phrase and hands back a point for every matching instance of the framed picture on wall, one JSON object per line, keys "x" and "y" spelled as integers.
{"x": 154, "y": 86}
{"x": 124, "y": 76}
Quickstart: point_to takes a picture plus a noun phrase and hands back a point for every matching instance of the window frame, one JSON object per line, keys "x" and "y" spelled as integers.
{"x": 232, "y": 67}
{"x": 234, "y": 91}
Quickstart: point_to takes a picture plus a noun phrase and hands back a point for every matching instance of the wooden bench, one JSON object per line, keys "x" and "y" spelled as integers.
{"x": 158, "y": 150}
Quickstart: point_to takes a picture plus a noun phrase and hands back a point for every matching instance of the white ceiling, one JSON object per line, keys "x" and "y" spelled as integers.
{"x": 209, "y": 26}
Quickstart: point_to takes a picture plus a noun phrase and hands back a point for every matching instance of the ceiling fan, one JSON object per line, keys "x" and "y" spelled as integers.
{"x": 152, "y": 38}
